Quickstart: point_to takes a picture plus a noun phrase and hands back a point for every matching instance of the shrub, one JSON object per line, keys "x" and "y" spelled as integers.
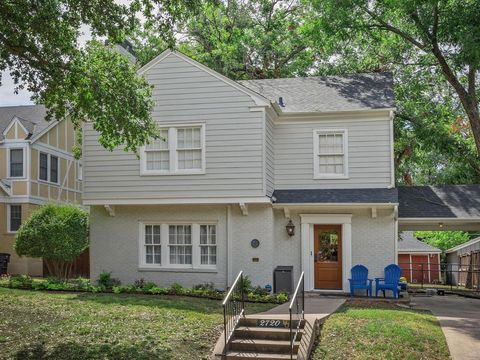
{"x": 56, "y": 233}
{"x": 177, "y": 289}
{"x": 20, "y": 282}
{"x": 158, "y": 291}
{"x": 282, "y": 297}
{"x": 258, "y": 290}
{"x": 148, "y": 285}
{"x": 246, "y": 284}
{"x": 106, "y": 280}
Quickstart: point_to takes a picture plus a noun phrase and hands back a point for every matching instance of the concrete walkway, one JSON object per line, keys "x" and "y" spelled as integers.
{"x": 316, "y": 307}
{"x": 460, "y": 321}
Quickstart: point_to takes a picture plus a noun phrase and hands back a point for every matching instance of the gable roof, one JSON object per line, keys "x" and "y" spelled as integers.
{"x": 407, "y": 242}
{"x": 461, "y": 246}
{"x": 328, "y": 93}
{"x": 336, "y": 196}
{"x": 32, "y": 117}
{"x": 257, "y": 97}
{"x": 450, "y": 201}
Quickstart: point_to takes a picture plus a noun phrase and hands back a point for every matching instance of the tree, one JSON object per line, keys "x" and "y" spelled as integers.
{"x": 443, "y": 240}
{"x": 245, "y": 39}
{"x": 39, "y": 45}
{"x": 437, "y": 36}
{"x": 56, "y": 233}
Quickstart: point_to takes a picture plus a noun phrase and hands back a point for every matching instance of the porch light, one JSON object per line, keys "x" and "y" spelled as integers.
{"x": 440, "y": 225}
{"x": 290, "y": 228}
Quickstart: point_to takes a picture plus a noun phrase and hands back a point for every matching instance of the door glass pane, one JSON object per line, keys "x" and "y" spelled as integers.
{"x": 327, "y": 245}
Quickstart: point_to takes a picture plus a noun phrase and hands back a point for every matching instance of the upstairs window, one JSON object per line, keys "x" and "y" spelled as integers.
{"x": 330, "y": 154}
{"x": 48, "y": 167}
{"x": 16, "y": 163}
{"x": 14, "y": 217}
{"x": 179, "y": 150}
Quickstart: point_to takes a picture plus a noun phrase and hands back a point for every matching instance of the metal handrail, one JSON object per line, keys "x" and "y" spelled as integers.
{"x": 233, "y": 309}
{"x": 300, "y": 311}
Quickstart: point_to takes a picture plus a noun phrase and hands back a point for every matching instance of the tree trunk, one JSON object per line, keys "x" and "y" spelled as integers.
{"x": 474, "y": 118}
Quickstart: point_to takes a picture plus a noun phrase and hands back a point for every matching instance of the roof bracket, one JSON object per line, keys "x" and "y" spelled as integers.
{"x": 374, "y": 212}
{"x": 110, "y": 210}
{"x": 243, "y": 208}
{"x": 286, "y": 211}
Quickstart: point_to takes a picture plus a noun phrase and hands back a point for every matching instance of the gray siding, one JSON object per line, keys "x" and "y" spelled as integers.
{"x": 369, "y": 153}
{"x": 234, "y": 141}
{"x": 269, "y": 155}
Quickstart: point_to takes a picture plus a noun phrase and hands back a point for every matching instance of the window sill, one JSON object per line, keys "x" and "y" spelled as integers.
{"x": 327, "y": 177}
{"x": 48, "y": 182}
{"x": 183, "y": 270}
{"x": 167, "y": 173}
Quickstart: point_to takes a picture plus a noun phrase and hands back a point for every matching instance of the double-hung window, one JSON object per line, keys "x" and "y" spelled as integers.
{"x": 16, "y": 166}
{"x": 208, "y": 244}
{"x": 14, "y": 217}
{"x": 178, "y": 150}
{"x": 178, "y": 245}
{"x": 48, "y": 167}
{"x": 330, "y": 154}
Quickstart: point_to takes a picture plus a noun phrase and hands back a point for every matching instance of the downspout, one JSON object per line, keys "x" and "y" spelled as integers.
{"x": 395, "y": 236}
{"x": 229, "y": 246}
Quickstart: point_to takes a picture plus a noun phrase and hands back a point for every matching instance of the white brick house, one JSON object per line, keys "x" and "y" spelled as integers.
{"x": 238, "y": 162}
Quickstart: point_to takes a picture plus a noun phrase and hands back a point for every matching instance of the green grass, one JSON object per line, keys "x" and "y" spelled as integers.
{"x": 381, "y": 331}
{"x": 39, "y": 325}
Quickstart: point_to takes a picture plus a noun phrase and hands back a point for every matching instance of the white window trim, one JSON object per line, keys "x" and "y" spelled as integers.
{"x": 24, "y": 153}
{"x": 165, "y": 246}
{"x": 172, "y": 149}
{"x": 49, "y": 167}
{"x": 9, "y": 230}
{"x": 316, "y": 171}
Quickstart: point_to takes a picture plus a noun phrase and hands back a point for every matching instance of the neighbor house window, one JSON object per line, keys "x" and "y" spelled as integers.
{"x": 180, "y": 244}
{"x": 178, "y": 150}
{"x": 48, "y": 167}
{"x": 16, "y": 163}
{"x": 330, "y": 154}
{"x": 189, "y": 246}
{"x": 152, "y": 243}
{"x": 208, "y": 244}
{"x": 14, "y": 217}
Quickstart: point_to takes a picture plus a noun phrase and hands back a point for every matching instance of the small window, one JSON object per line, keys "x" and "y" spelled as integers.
{"x": 189, "y": 148}
{"x": 53, "y": 169}
{"x": 180, "y": 244}
{"x": 43, "y": 171}
{"x": 208, "y": 245}
{"x": 330, "y": 158}
{"x": 15, "y": 217}
{"x": 153, "y": 249}
{"x": 178, "y": 150}
{"x": 16, "y": 162}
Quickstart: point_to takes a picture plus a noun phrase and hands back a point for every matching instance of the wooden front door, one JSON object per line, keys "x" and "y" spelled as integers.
{"x": 328, "y": 256}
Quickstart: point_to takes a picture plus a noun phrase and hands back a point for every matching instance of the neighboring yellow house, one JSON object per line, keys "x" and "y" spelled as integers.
{"x": 36, "y": 167}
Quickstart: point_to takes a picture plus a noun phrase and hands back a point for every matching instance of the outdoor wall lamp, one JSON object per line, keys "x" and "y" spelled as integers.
{"x": 290, "y": 228}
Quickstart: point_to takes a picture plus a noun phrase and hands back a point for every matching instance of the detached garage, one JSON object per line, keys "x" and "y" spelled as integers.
{"x": 419, "y": 261}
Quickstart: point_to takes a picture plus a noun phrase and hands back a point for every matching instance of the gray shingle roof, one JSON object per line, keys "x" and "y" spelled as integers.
{"x": 328, "y": 93}
{"x": 32, "y": 117}
{"x": 380, "y": 196}
{"x": 464, "y": 245}
{"x": 408, "y": 243}
{"x": 450, "y": 201}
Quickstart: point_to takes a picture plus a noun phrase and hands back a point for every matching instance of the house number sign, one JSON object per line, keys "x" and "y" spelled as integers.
{"x": 272, "y": 323}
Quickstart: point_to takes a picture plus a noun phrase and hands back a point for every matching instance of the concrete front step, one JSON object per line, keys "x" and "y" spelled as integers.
{"x": 264, "y": 346}
{"x": 247, "y": 332}
{"x": 248, "y": 355}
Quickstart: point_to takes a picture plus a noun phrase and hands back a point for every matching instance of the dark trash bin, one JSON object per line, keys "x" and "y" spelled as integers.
{"x": 283, "y": 279}
{"x": 4, "y": 260}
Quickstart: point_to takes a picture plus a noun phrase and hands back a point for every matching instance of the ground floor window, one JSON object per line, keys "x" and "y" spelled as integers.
{"x": 14, "y": 217}
{"x": 178, "y": 245}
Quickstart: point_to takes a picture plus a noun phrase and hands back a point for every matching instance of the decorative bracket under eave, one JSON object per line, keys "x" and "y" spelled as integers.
{"x": 286, "y": 212}
{"x": 243, "y": 208}
{"x": 110, "y": 210}
{"x": 374, "y": 212}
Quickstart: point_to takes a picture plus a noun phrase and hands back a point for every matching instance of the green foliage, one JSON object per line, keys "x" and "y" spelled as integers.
{"x": 106, "y": 281}
{"x": 20, "y": 282}
{"x": 56, "y": 233}
{"x": 246, "y": 284}
{"x": 443, "y": 240}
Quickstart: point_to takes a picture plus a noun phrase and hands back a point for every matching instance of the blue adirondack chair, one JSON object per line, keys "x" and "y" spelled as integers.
{"x": 390, "y": 281}
{"x": 360, "y": 280}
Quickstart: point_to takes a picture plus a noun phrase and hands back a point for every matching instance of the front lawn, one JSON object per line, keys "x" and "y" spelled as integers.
{"x": 38, "y": 325}
{"x": 381, "y": 331}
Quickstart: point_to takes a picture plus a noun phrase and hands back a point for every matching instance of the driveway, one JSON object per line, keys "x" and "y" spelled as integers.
{"x": 460, "y": 321}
